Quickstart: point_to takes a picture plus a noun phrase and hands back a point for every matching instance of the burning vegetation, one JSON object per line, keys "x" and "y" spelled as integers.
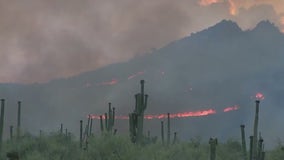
{"x": 109, "y": 145}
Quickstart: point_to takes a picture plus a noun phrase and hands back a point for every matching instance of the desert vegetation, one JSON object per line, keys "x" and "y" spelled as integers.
{"x": 108, "y": 145}
{"x": 55, "y": 146}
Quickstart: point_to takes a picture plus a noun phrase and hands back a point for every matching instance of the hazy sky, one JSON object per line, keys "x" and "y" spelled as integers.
{"x": 46, "y": 39}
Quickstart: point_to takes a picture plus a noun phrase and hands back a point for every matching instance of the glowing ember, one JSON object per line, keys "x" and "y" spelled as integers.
{"x": 108, "y": 83}
{"x": 259, "y": 96}
{"x": 136, "y": 74}
{"x": 233, "y": 108}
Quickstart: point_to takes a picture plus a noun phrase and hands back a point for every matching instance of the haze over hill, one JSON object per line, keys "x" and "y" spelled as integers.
{"x": 50, "y": 39}
{"x": 216, "y": 68}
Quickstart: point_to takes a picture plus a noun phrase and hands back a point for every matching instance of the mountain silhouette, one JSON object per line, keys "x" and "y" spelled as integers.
{"x": 218, "y": 67}
{"x": 266, "y": 27}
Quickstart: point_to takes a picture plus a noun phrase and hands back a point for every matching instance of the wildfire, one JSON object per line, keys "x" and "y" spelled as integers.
{"x": 162, "y": 116}
{"x": 136, "y": 74}
{"x": 183, "y": 114}
{"x": 232, "y": 5}
{"x": 108, "y": 83}
{"x": 259, "y": 96}
{"x": 233, "y": 108}
{"x": 92, "y": 116}
{"x": 233, "y": 8}
{"x": 208, "y": 2}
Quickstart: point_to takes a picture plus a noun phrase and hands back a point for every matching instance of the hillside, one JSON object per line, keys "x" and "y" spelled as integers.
{"x": 215, "y": 68}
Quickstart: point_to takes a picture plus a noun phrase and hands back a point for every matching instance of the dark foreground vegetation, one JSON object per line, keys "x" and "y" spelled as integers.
{"x": 55, "y": 146}
{"x": 110, "y": 146}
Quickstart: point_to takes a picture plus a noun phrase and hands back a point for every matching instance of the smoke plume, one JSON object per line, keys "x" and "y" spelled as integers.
{"x": 46, "y": 39}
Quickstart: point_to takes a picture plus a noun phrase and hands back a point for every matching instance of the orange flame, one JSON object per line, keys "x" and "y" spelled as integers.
{"x": 162, "y": 116}
{"x": 108, "y": 83}
{"x": 233, "y": 8}
{"x": 208, "y": 2}
{"x": 232, "y": 5}
{"x": 233, "y": 108}
{"x": 183, "y": 114}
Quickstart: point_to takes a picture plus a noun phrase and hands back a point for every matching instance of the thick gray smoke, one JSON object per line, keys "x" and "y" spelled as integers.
{"x": 46, "y": 39}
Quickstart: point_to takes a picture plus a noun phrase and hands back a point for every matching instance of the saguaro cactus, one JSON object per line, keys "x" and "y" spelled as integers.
{"x": 250, "y": 147}
{"x": 260, "y": 153}
{"x": 101, "y": 123}
{"x": 213, "y": 143}
{"x": 111, "y": 117}
{"x": 11, "y": 132}
{"x": 137, "y": 117}
{"x": 169, "y": 130}
{"x": 87, "y": 127}
{"x": 81, "y": 133}
{"x": 243, "y": 142}
{"x": 2, "y": 121}
{"x": 175, "y": 138}
{"x": 132, "y": 127}
{"x": 91, "y": 127}
{"x": 109, "y": 128}
{"x": 162, "y": 132}
{"x": 19, "y": 120}
{"x": 40, "y": 133}
{"x": 106, "y": 122}
{"x": 255, "y": 127}
{"x": 61, "y": 129}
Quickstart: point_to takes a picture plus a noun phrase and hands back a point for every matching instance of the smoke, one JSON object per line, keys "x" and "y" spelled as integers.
{"x": 46, "y": 39}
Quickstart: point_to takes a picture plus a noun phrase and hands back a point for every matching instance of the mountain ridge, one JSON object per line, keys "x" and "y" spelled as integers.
{"x": 208, "y": 69}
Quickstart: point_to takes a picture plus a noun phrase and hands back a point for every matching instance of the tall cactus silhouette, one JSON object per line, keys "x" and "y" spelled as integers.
{"x": 19, "y": 120}
{"x": 169, "y": 130}
{"x": 101, "y": 124}
{"x": 81, "y": 134}
{"x": 136, "y": 118}
{"x": 162, "y": 132}
{"x": 2, "y": 122}
{"x": 11, "y": 132}
{"x": 243, "y": 142}
{"x": 254, "y": 147}
{"x": 111, "y": 118}
{"x": 250, "y": 147}
{"x": 213, "y": 143}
